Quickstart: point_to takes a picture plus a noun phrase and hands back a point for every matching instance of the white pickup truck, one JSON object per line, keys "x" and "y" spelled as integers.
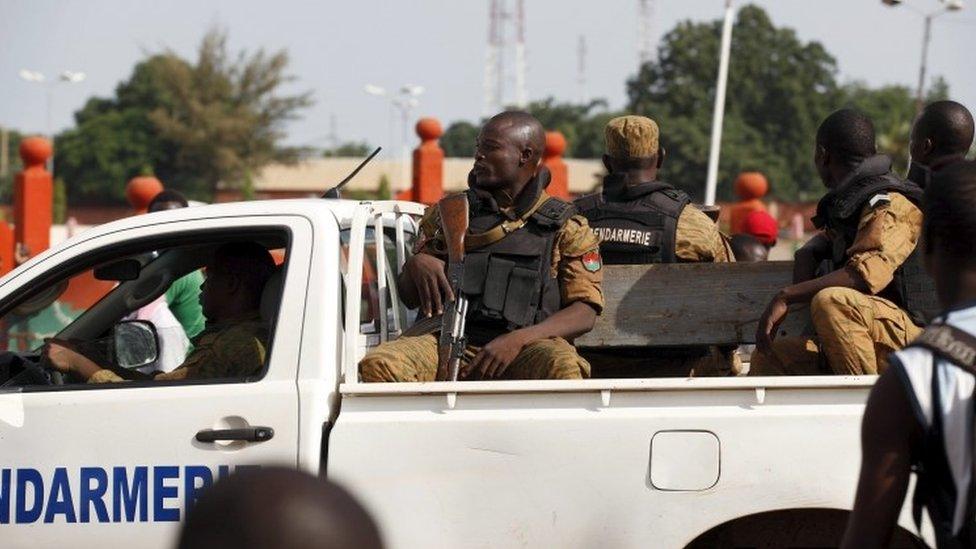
{"x": 607, "y": 462}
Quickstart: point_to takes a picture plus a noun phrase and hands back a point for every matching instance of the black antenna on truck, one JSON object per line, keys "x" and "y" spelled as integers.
{"x": 334, "y": 191}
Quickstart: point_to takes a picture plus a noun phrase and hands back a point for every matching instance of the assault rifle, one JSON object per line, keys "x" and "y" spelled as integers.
{"x": 334, "y": 191}
{"x": 450, "y": 350}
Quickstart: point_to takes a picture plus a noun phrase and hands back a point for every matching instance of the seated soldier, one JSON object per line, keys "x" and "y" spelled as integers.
{"x": 941, "y": 136}
{"x": 642, "y": 220}
{"x": 532, "y": 272}
{"x": 235, "y": 340}
{"x": 873, "y": 298}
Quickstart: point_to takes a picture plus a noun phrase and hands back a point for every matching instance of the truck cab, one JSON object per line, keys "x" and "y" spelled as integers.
{"x": 615, "y": 462}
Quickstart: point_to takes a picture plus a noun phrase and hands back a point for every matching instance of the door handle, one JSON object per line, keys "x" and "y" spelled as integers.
{"x": 248, "y": 434}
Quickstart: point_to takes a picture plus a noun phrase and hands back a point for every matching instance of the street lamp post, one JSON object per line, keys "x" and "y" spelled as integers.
{"x": 405, "y": 101}
{"x": 718, "y": 113}
{"x": 949, "y": 5}
{"x": 66, "y": 77}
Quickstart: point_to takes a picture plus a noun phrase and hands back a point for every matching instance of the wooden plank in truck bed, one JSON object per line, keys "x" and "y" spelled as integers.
{"x": 689, "y": 304}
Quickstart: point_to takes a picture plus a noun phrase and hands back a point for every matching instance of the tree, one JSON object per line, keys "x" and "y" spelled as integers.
{"x": 114, "y": 140}
{"x": 383, "y": 190}
{"x": 14, "y": 166}
{"x": 349, "y": 148}
{"x": 780, "y": 88}
{"x": 226, "y": 115}
{"x": 59, "y": 202}
{"x": 195, "y": 124}
{"x": 458, "y": 139}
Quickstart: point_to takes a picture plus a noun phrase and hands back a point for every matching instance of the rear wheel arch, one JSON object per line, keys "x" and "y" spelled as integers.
{"x": 806, "y": 527}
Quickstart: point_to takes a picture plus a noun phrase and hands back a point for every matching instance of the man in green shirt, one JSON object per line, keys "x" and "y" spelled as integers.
{"x": 183, "y": 296}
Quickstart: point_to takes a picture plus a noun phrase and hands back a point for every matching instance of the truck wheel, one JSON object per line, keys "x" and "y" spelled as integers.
{"x": 790, "y": 528}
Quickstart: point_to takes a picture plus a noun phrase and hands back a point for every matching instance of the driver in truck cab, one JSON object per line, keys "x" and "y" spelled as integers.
{"x": 532, "y": 271}
{"x": 234, "y": 342}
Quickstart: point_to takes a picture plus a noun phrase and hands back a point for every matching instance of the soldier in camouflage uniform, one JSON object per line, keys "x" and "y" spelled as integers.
{"x": 642, "y": 220}
{"x": 873, "y": 296}
{"x": 235, "y": 340}
{"x": 532, "y": 272}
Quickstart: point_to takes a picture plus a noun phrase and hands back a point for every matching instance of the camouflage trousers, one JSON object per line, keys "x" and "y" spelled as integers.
{"x": 414, "y": 358}
{"x": 855, "y": 334}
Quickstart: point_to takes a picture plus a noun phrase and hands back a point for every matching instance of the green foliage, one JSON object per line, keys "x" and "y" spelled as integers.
{"x": 225, "y": 114}
{"x": 247, "y": 186}
{"x": 458, "y": 139}
{"x": 14, "y": 166}
{"x": 114, "y": 141}
{"x": 59, "y": 206}
{"x": 779, "y": 90}
{"x": 349, "y": 148}
{"x": 193, "y": 125}
{"x": 383, "y": 191}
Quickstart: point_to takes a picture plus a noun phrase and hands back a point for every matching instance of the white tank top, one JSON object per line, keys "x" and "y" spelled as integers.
{"x": 955, "y": 391}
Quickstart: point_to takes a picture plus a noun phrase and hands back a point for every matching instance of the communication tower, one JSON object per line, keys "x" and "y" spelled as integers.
{"x": 645, "y": 31}
{"x": 506, "y": 36}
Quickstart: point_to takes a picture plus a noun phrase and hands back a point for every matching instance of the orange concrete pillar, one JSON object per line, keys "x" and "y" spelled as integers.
{"x": 7, "y": 246}
{"x": 552, "y": 158}
{"x": 750, "y": 187}
{"x": 34, "y": 197}
{"x": 141, "y": 190}
{"x": 428, "y": 164}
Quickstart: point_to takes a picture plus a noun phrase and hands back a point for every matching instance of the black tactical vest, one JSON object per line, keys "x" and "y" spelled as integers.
{"x": 935, "y": 487}
{"x": 636, "y": 223}
{"x": 509, "y": 283}
{"x": 840, "y": 211}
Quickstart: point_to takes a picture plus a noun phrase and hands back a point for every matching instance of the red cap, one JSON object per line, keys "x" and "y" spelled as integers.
{"x": 762, "y": 226}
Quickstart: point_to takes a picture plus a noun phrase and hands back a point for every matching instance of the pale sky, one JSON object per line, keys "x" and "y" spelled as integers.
{"x": 337, "y": 47}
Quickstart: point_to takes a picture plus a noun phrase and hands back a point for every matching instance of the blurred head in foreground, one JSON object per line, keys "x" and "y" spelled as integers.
{"x": 281, "y": 508}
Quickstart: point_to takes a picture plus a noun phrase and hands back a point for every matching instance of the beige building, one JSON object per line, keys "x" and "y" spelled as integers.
{"x": 314, "y": 176}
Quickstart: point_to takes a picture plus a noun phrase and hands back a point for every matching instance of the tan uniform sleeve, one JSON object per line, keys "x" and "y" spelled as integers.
{"x": 886, "y": 235}
{"x": 698, "y": 240}
{"x": 577, "y": 264}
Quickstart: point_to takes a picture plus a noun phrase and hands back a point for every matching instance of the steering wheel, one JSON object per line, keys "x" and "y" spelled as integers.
{"x": 53, "y": 374}
{"x": 33, "y": 373}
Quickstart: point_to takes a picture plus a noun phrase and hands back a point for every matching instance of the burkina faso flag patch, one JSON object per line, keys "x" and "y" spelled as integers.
{"x": 592, "y": 261}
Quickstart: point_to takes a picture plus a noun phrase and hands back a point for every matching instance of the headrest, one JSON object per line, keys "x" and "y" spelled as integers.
{"x": 271, "y": 296}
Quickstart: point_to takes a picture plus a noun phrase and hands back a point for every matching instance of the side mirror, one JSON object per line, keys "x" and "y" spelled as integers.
{"x": 118, "y": 271}
{"x": 134, "y": 344}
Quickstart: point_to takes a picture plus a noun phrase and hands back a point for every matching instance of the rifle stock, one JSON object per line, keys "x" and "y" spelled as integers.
{"x": 454, "y": 224}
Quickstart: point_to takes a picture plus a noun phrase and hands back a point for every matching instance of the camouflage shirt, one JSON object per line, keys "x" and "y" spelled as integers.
{"x": 232, "y": 349}
{"x": 698, "y": 239}
{"x": 886, "y": 235}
